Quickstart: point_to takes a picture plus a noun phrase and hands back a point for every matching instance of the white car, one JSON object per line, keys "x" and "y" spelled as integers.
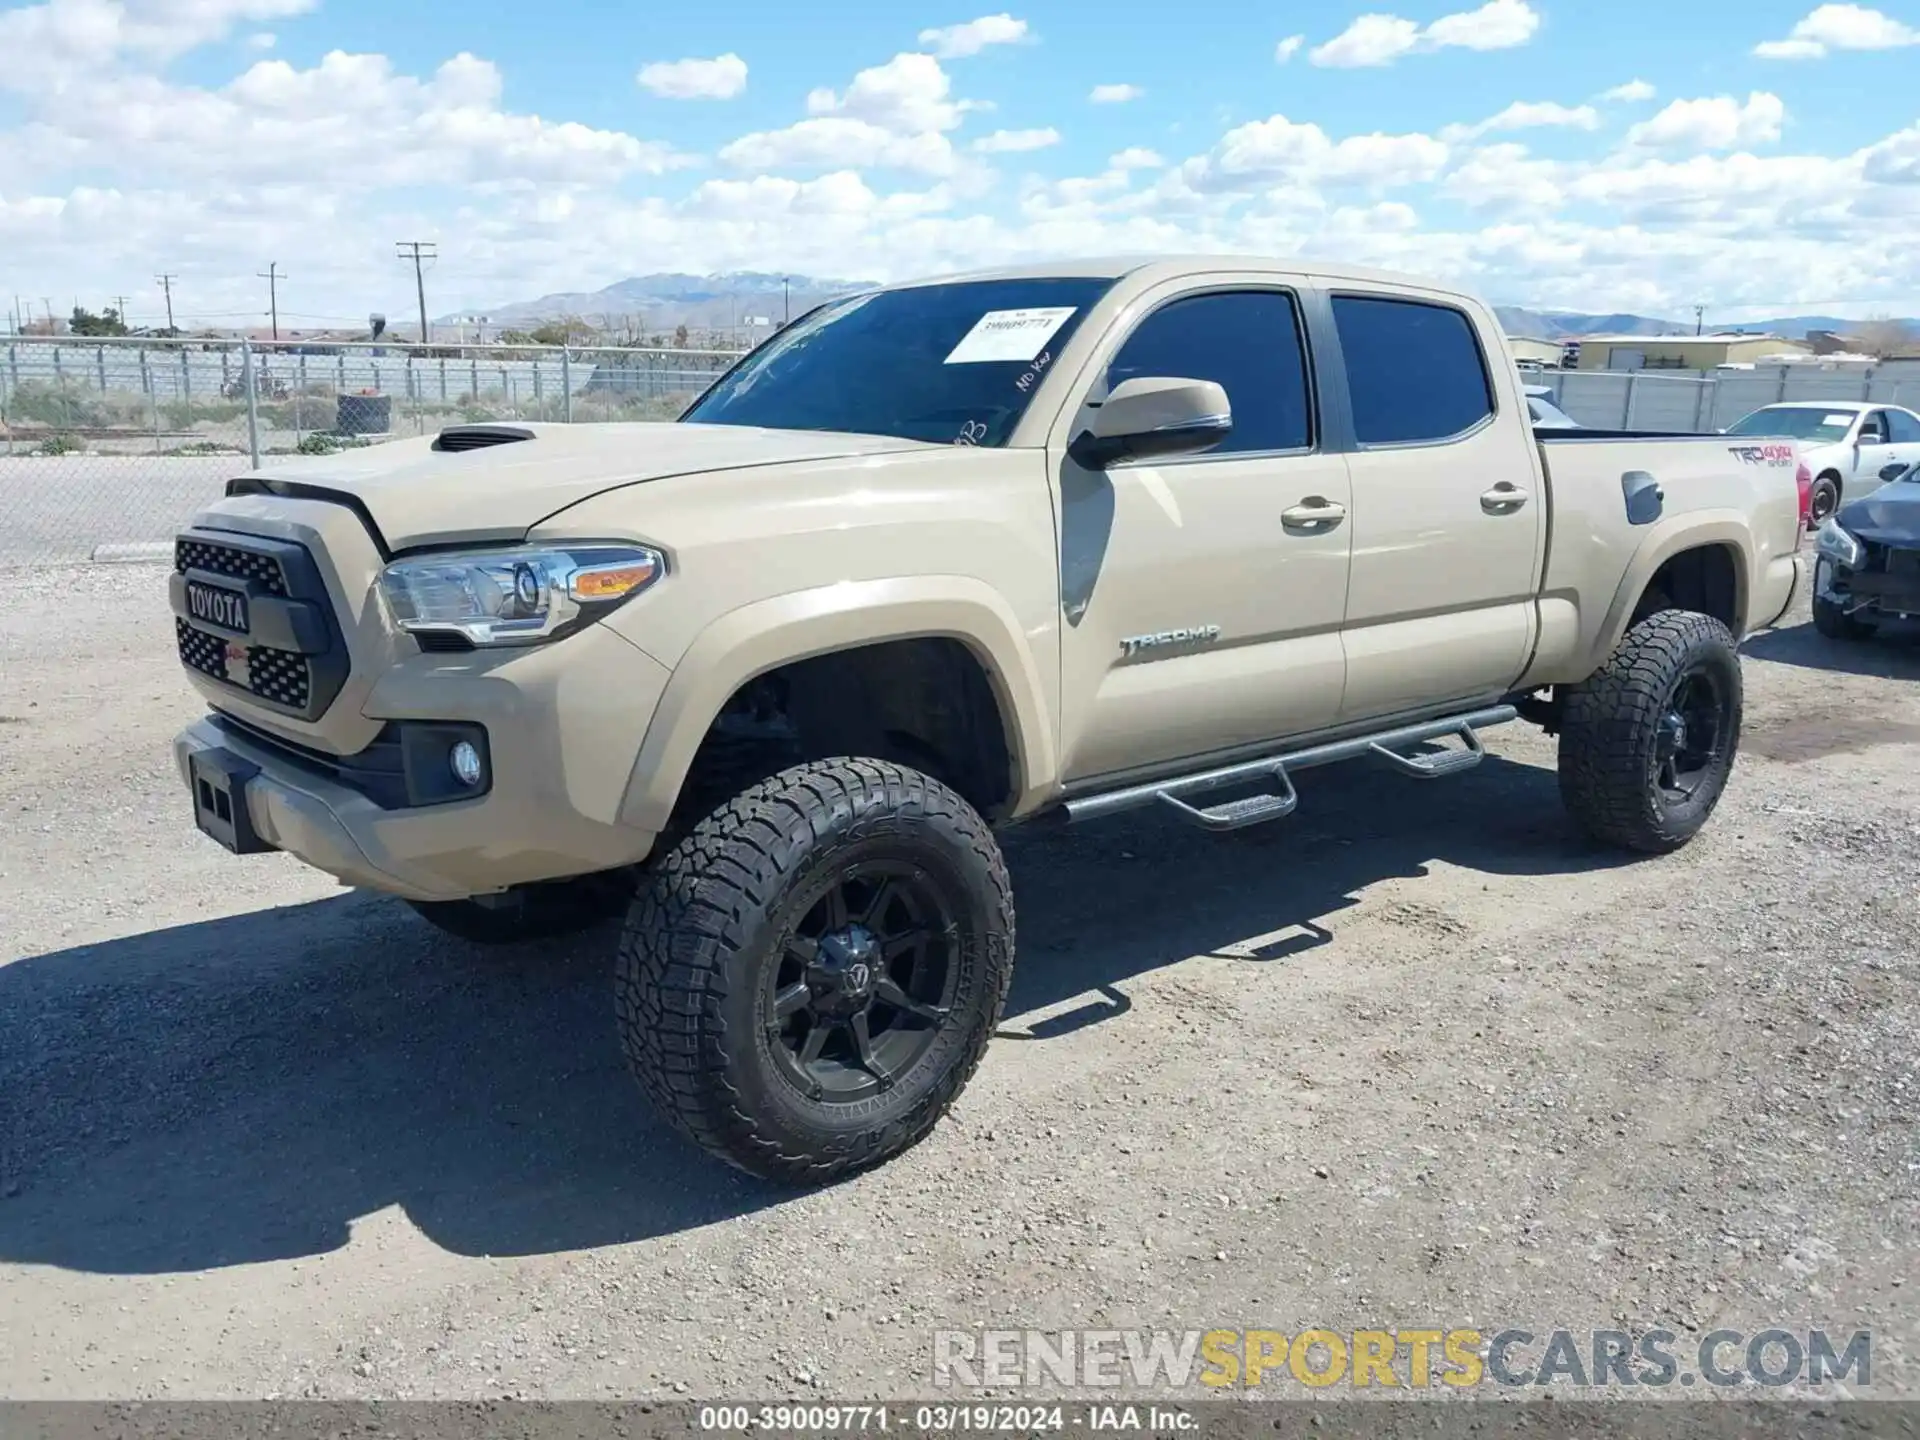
{"x": 1844, "y": 443}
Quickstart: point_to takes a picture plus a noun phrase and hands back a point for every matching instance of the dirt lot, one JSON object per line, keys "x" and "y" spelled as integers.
{"x": 1417, "y": 1056}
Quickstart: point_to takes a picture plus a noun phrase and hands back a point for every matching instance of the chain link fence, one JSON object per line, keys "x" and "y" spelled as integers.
{"x": 107, "y": 447}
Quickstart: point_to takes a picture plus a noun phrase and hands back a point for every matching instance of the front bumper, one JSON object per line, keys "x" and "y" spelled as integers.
{"x": 1889, "y": 587}
{"x": 564, "y": 724}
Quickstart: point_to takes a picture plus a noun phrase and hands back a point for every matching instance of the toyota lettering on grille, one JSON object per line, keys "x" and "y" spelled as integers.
{"x": 217, "y": 605}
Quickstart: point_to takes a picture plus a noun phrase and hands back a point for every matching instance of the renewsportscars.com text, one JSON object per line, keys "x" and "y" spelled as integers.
{"x": 1405, "y": 1358}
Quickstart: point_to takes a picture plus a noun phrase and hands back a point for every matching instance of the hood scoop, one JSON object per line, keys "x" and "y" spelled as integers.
{"x": 479, "y": 437}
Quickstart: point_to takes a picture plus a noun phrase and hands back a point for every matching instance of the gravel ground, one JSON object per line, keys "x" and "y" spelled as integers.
{"x": 1417, "y": 1056}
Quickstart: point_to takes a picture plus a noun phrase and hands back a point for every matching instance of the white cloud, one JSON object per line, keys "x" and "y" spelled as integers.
{"x": 1135, "y": 157}
{"x": 1265, "y": 152}
{"x": 1634, "y": 92}
{"x": 1528, "y": 115}
{"x": 262, "y": 40}
{"x": 1496, "y": 25}
{"x": 1015, "y": 142}
{"x": 1114, "y": 94}
{"x": 70, "y": 37}
{"x": 953, "y": 42}
{"x": 1839, "y": 27}
{"x": 1288, "y": 48}
{"x": 1376, "y": 39}
{"x": 720, "y": 78}
{"x": 832, "y": 142}
{"x": 1718, "y": 123}
{"x": 909, "y": 95}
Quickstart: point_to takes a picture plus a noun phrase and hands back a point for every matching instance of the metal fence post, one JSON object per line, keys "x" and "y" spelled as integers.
{"x": 253, "y": 404}
{"x": 1699, "y": 394}
{"x": 1626, "y": 410}
{"x": 566, "y": 385}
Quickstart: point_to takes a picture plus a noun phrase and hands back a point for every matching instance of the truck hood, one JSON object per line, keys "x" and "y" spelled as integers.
{"x": 419, "y": 492}
{"x": 1889, "y": 516}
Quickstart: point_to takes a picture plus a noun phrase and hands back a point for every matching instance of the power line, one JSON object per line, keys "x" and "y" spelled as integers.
{"x": 166, "y": 284}
{"x": 273, "y": 277}
{"x": 417, "y": 251}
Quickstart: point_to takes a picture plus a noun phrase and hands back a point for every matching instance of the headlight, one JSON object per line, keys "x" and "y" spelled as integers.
{"x": 515, "y": 597}
{"x": 1838, "y": 546}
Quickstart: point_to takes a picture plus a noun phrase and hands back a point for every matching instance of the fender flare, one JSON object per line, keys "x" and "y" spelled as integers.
{"x": 1693, "y": 531}
{"x": 782, "y": 629}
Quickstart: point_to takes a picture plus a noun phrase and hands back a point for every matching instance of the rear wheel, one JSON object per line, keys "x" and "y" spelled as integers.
{"x": 1824, "y": 500}
{"x": 809, "y": 978}
{"x": 1647, "y": 743}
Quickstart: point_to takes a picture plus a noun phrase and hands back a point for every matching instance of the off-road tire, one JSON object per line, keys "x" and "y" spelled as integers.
{"x": 710, "y": 917}
{"x": 1611, "y": 726}
{"x": 537, "y": 912}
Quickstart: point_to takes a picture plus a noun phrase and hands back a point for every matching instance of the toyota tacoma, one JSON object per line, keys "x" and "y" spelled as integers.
{"x": 1058, "y": 541}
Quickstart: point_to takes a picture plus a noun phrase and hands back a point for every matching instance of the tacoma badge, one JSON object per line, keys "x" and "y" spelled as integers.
{"x": 1195, "y": 635}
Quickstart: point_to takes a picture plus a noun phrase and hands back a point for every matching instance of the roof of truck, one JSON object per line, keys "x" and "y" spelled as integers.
{"x": 1155, "y": 267}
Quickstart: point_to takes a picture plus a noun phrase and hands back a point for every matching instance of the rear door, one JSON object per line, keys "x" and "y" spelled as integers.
{"x": 1449, "y": 509}
{"x": 1202, "y": 595}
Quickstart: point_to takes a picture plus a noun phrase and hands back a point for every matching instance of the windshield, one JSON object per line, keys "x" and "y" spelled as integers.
{"x": 952, "y": 364}
{"x": 1796, "y": 424}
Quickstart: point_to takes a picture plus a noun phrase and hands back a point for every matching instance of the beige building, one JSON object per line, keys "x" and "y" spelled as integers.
{"x": 1680, "y": 352}
{"x": 1527, "y": 350}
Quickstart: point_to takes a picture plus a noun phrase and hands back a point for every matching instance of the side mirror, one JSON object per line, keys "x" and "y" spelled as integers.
{"x": 1872, "y": 437}
{"x": 1895, "y": 471}
{"x": 1150, "y": 416}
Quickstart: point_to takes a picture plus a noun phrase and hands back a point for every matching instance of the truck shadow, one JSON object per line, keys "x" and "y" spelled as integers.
{"x": 248, "y": 1089}
{"x": 1894, "y": 654}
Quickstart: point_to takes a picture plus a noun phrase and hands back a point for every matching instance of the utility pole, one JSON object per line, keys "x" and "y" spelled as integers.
{"x": 166, "y": 284}
{"x": 1699, "y": 318}
{"x": 417, "y": 251}
{"x": 273, "y": 277}
{"x": 786, "y": 302}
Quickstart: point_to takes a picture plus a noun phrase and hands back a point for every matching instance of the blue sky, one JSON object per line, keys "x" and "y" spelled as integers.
{"x": 1751, "y": 155}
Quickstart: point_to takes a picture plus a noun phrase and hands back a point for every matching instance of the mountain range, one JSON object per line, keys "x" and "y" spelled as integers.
{"x": 734, "y": 300}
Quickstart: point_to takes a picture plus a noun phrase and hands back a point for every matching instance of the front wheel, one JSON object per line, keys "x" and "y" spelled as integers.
{"x": 809, "y": 978}
{"x": 1647, "y": 743}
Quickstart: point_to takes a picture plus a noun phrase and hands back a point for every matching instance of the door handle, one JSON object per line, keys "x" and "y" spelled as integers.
{"x": 1313, "y": 513}
{"x": 1503, "y": 499}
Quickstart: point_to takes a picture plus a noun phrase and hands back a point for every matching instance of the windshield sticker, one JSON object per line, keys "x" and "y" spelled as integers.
{"x": 1010, "y": 335}
{"x": 1838, "y": 420}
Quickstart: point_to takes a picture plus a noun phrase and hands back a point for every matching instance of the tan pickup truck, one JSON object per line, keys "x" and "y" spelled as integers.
{"x": 1062, "y": 540}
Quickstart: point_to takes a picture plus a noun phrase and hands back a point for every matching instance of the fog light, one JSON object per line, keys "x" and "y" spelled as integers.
{"x": 465, "y": 761}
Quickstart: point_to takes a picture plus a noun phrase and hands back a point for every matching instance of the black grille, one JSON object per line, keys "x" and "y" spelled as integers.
{"x": 264, "y": 570}
{"x": 276, "y": 573}
{"x": 276, "y": 675}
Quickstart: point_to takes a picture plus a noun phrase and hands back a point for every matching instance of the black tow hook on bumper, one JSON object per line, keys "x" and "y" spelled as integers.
{"x": 219, "y": 780}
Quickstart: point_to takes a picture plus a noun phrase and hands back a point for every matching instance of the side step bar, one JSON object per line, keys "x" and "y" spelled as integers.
{"x": 1277, "y": 772}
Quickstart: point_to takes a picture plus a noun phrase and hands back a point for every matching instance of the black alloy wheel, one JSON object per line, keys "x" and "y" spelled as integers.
{"x": 864, "y": 983}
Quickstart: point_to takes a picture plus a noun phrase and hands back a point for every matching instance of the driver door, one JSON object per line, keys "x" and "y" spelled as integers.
{"x": 1202, "y": 595}
{"x": 1873, "y": 452}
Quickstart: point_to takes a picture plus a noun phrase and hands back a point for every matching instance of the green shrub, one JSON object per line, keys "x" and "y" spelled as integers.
{"x": 59, "y": 445}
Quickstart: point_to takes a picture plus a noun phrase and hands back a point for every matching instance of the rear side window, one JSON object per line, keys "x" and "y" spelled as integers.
{"x": 1414, "y": 371}
{"x": 1906, "y": 429}
{"x": 1248, "y": 341}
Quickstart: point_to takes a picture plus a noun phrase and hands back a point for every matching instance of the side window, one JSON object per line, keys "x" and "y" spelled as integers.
{"x": 1414, "y": 371}
{"x": 1875, "y": 423}
{"x": 1905, "y": 429}
{"x": 1248, "y": 341}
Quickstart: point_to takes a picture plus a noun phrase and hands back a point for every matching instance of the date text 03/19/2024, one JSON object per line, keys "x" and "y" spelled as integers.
{"x": 944, "y": 1419}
